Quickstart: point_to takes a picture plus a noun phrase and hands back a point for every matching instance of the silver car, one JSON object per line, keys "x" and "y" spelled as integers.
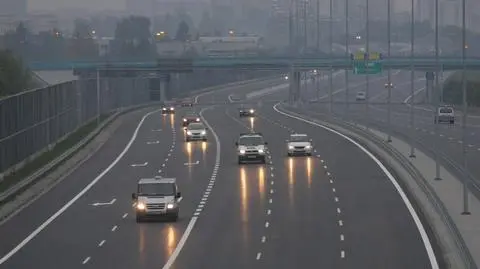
{"x": 156, "y": 197}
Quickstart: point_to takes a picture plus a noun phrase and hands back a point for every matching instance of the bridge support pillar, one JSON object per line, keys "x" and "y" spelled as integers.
{"x": 164, "y": 87}
{"x": 294, "y": 90}
{"x": 429, "y": 91}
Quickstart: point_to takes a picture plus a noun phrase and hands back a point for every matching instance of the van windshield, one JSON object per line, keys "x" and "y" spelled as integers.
{"x": 298, "y": 138}
{"x": 446, "y": 110}
{"x": 196, "y": 126}
{"x": 156, "y": 189}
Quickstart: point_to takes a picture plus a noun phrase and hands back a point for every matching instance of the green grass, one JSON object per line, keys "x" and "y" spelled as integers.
{"x": 46, "y": 157}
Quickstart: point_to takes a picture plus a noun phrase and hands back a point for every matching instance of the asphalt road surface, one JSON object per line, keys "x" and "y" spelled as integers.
{"x": 336, "y": 209}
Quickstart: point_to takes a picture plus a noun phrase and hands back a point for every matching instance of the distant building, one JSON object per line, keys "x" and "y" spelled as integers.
{"x": 228, "y": 46}
{"x": 41, "y": 22}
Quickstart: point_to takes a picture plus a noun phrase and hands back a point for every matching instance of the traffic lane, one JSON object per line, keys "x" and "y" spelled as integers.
{"x": 227, "y": 232}
{"x": 222, "y": 96}
{"x": 150, "y": 244}
{"x": 20, "y": 225}
{"x": 303, "y": 208}
{"x": 89, "y": 222}
{"x": 371, "y": 209}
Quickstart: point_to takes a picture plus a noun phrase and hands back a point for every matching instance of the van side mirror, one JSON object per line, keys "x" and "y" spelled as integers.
{"x": 134, "y": 196}
{"x": 266, "y": 143}
{"x": 179, "y": 194}
{"x": 236, "y": 143}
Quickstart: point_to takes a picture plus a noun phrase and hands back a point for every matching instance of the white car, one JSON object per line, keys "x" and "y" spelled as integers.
{"x": 156, "y": 197}
{"x": 445, "y": 114}
{"x": 195, "y": 132}
{"x": 299, "y": 144}
{"x": 361, "y": 96}
{"x": 251, "y": 147}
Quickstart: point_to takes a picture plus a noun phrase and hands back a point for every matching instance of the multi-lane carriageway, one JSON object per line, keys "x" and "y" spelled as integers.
{"x": 340, "y": 208}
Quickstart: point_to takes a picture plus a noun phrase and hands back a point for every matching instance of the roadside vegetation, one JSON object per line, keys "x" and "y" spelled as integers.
{"x": 452, "y": 91}
{"x": 14, "y": 77}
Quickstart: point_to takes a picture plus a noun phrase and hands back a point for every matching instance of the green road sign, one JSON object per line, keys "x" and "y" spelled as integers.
{"x": 362, "y": 68}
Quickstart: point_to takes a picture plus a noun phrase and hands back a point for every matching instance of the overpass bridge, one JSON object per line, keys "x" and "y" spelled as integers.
{"x": 182, "y": 65}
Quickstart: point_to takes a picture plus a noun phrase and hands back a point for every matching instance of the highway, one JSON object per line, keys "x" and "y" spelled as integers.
{"x": 336, "y": 209}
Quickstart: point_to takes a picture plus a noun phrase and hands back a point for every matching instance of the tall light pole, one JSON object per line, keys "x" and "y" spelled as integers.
{"x": 466, "y": 210}
{"x": 436, "y": 93}
{"x": 367, "y": 77}
{"x": 347, "y": 55}
{"x": 330, "y": 78}
{"x": 389, "y": 80}
{"x": 412, "y": 86}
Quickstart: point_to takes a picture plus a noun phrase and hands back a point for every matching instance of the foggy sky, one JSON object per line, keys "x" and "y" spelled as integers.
{"x": 84, "y": 4}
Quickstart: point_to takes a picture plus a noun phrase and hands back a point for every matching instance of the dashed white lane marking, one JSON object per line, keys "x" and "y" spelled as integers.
{"x": 325, "y": 167}
{"x": 342, "y": 238}
{"x": 124, "y": 215}
{"x": 159, "y": 171}
{"x": 86, "y": 260}
{"x": 196, "y": 215}
{"x": 270, "y": 201}
{"x": 269, "y": 212}
{"x": 271, "y": 191}
{"x": 334, "y": 190}
{"x": 114, "y": 228}
{"x": 331, "y": 181}
{"x": 393, "y": 180}
{"x": 101, "y": 243}
{"x": 264, "y": 239}
{"x": 336, "y": 199}
{"x": 460, "y": 142}
{"x": 338, "y": 210}
{"x": 442, "y": 135}
{"x": 340, "y": 223}
{"x": 470, "y": 146}
{"x": 342, "y": 254}
{"x": 272, "y": 182}
{"x": 267, "y": 224}
{"x": 46, "y": 223}
{"x": 259, "y": 255}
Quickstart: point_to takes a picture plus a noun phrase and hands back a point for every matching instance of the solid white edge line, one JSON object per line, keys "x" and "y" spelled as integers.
{"x": 193, "y": 220}
{"x": 79, "y": 195}
{"x": 406, "y": 201}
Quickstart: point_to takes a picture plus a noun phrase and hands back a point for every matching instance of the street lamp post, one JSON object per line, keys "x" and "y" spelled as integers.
{"x": 412, "y": 86}
{"x": 330, "y": 78}
{"x": 347, "y": 55}
{"x": 367, "y": 77}
{"x": 466, "y": 210}
{"x": 437, "y": 93}
{"x": 389, "y": 82}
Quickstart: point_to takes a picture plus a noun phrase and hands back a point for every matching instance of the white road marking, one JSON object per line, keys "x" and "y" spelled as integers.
{"x": 408, "y": 204}
{"x": 264, "y": 239}
{"x": 460, "y": 142}
{"x": 107, "y": 203}
{"x": 190, "y": 164}
{"x": 194, "y": 219}
{"x": 269, "y": 212}
{"x": 267, "y": 224}
{"x": 336, "y": 199}
{"x": 101, "y": 243}
{"x": 331, "y": 181}
{"x": 86, "y": 260}
{"x": 334, "y": 190}
{"x": 271, "y": 175}
{"x": 470, "y": 146}
{"x": 338, "y": 210}
{"x": 159, "y": 170}
{"x": 124, "y": 215}
{"x": 259, "y": 255}
{"x": 340, "y": 223}
{"x": 180, "y": 199}
{"x": 325, "y": 167}
{"x": 139, "y": 164}
{"x": 79, "y": 195}
{"x": 153, "y": 142}
{"x": 271, "y": 191}
{"x": 114, "y": 228}
{"x": 271, "y": 183}
{"x": 342, "y": 238}
{"x": 270, "y": 201}
{"x": 342, "y": 254}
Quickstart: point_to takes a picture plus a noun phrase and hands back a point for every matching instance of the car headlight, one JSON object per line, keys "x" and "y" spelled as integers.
{"x": 164, "y": 109}
{"x": 172, "y": 108}
{"x": 170, "y": 206}
{"x": 251, "y": 110}
{"x": 189, "y": 133}
{"x": 242, "y": 151}
{"x": 290, "y": 147}
{"x": 141, "y": 206}
{"x": 198, "y": 119}
{"x": 308, "y": 147}
{"x": 261, "y": 151}
{"x": 204, "y": 133}
{"x": 185, "y": 120}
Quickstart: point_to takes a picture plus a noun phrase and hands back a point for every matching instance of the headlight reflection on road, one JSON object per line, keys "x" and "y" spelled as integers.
{"x": 244, "y": 194}
{"x": 252, "y": 123}
{"x": 291, "y": 170}
{"x": 309, "y": 171}
{"x": 141, "y": 243}
{"x": 172, "y": 121}
{"x": 171, "y": 240}
{"x": 261, "y": 182}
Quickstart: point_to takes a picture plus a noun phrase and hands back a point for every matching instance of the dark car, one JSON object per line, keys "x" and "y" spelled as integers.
{"x": 168, "y": 109}
{"x": 187, "y": 119}
{"x": 246, "y": 112}
{"x": 187, "y": 102}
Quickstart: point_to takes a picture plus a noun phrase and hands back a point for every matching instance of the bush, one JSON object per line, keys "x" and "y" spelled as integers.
{"x": 14, "y": 77}
{"x": 452, "y": 91}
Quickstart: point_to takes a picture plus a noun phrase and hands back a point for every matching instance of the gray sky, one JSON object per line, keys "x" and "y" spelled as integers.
{"x": 88, "y": 4}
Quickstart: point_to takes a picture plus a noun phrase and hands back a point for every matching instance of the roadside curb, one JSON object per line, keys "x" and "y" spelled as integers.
{"x": 452, "y": 247}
